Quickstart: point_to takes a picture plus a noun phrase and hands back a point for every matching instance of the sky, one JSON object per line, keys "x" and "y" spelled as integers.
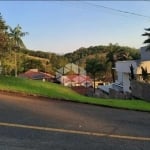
{"x": 65, "y": 26}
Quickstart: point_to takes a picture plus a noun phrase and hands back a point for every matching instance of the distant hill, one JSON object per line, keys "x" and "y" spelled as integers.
{"x": 80, "y": 55}
{"x": 50, "y": 62}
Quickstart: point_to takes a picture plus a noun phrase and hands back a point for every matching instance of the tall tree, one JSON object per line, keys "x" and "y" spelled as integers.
{"x": 93, "y": 67}
{"x": 16, "y": 35}
{"x": 4, "y": 44}
{"x": 116, "y": 53}
{"x": 112, "y": 58}
{"x": 147, "y": 41}
{"x": 4, "y": 38}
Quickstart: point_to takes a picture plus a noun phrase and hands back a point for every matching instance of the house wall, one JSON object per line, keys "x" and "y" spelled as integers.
{"x": 120, "y": 77}
{"x": 123, "y": 78}
{"x": 145, "y": 55}
{"x": 123, "y": 70}
{"x": 126, "y": 82}
{"x": 124, "y": 66}
{"x": 145, "y": 64}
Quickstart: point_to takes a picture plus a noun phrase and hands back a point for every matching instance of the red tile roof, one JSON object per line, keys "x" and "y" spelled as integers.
{"x": 35, "y": 74}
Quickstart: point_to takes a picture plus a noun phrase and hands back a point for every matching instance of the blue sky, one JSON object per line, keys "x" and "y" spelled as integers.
{"x": 64, "y": 26}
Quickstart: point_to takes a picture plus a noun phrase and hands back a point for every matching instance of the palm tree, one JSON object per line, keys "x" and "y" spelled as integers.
{"x": 16, "y": 34}
{"x": 112, "y": 58}
{"x": 93, "y": 67}
{"x": 115, "y": 53}
{"x": 147, "y": 41}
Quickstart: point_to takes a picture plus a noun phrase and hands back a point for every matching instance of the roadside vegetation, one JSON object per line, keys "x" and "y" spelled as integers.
{"x": 55, "y": 91}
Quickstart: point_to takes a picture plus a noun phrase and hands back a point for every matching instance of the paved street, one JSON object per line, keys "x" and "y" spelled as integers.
{"x": 30, "y": 123}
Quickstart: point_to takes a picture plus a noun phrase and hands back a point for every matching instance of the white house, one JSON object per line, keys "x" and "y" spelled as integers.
{"x": 123, "y": 72}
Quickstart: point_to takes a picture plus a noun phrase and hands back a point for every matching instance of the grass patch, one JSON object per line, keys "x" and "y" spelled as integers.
{"x": 56, "y": 91}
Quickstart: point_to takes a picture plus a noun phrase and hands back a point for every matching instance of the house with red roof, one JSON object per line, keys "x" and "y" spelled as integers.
{"x": 76, "y": 80}
{"x": 73, "y": 75}
{"x": 35, "y": 74}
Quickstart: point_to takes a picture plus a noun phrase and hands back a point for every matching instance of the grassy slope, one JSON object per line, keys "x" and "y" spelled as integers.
{"x": 59, "y": 92}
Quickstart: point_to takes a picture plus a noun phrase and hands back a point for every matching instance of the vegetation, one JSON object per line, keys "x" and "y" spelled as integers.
{"x": 132, "y": 77}
{"x": 144, "y": 73}
{"x": 4, "y": 38}
{"x": 15, "y": 35}
{"x": 93, "y": 67}
{"x": 51, "y": 90}
{"x": 147, "y": 41}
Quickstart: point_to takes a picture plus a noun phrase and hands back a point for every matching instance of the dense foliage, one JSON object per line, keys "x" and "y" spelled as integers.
{"x": 94, "y": 67}
{"x": 147, "y": 41}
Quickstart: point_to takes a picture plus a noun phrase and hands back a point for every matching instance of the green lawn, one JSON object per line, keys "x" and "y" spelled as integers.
{"x": 56, "y": 91}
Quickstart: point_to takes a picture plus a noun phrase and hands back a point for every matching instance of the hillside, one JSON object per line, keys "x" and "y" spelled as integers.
{"x": 50, "y": 62}
{"x": 101, "y": 51}
{"x": 80, "y": 55}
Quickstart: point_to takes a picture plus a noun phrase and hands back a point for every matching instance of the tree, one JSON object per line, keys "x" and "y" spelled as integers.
{"x": 4, "y": 38}
{"x": 116, "y": 53}
{"x": 147, "y": 41}
{"x": 112, "y": 58}
{"x": 4, "y": 45}
{"x": 144, "y": 74}
{"x": 30, "y": 63}
{"x": 16, "y": 34}
{"x": 132, "y": 72}
{"x": 93, "y": 67}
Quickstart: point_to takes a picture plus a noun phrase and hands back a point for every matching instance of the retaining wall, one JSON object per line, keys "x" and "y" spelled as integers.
{"x": 140, "y": 90}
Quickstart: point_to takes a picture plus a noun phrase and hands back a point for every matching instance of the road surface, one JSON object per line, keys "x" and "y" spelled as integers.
{"x": 30, "y": 123}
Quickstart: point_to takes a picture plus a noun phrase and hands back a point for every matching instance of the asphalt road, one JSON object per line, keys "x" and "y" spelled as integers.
{"x": 42, "y": 124}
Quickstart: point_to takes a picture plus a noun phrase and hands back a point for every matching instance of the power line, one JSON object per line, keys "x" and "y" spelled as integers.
{"x": 118, "y": 10}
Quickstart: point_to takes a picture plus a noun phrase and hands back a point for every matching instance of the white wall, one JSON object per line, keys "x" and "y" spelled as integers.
{"x": 123, "y": 70}
{"x": 124, "y": 66}
{"x": 145, "y": 55}
{"x": 126, "y": 82}
{"x": 119, "y": 77}
{"x": 123, "y": 78}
